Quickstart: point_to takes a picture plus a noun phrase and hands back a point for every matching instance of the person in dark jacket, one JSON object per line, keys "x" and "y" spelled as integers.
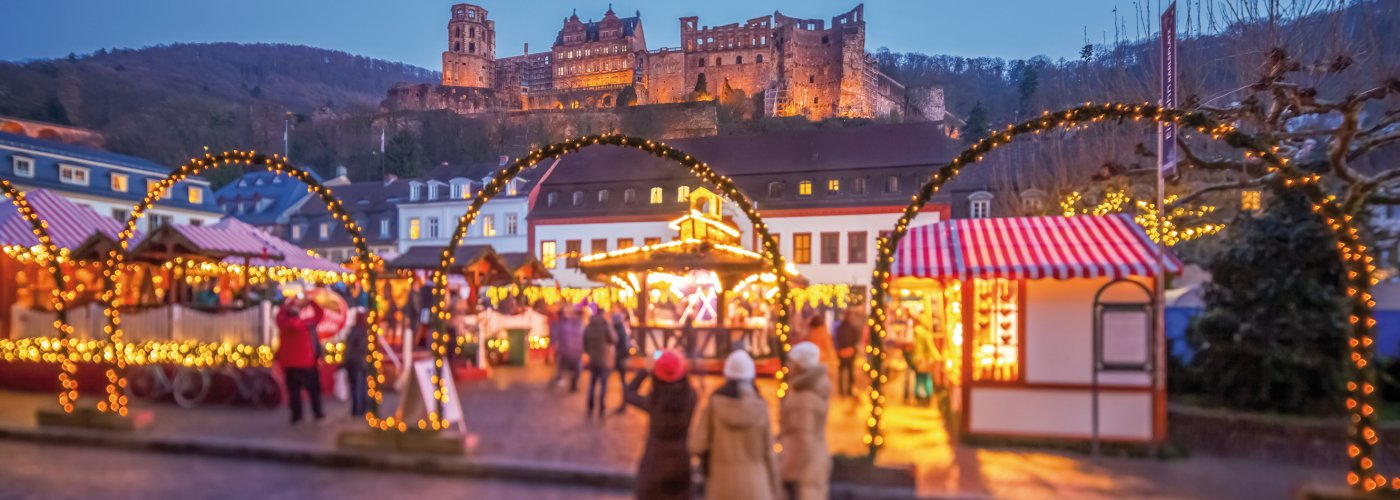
{"x": 848, "y": 335}
{"x": 298, "y": 352}
{"x": 623, "y": 349}
{"x": 664, "y": 472}
{"x": 354, "y": 362}
{"x": 566, "y": 335}
{"x": 598, "y": 343}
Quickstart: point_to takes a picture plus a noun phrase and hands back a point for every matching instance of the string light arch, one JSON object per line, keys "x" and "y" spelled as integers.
{"x": 115, "y": 349}
{"x": 721, "y": 184}
{"x": 51, "y": 260}
{"x": 1360, "y": 266}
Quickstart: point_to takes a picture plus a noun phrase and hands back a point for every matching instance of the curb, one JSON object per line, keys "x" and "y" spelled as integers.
{"x": 466, "y": 467}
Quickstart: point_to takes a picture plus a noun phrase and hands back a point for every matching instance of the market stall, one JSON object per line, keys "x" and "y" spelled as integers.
{"x": 1033, "y": 327}
{"x": 701, "y": 292}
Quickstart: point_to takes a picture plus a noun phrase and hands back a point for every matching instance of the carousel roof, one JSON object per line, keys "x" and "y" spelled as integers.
{"x": 1082, "y": 246}
{"x": 674, "y": 256}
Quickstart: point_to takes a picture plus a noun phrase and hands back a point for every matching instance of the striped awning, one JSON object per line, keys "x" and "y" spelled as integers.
{"x": 1083, "y": 246}
{"x": 69, "y": 224}
{"x": 293, "y": 256}
{"x": 221, "y": 241}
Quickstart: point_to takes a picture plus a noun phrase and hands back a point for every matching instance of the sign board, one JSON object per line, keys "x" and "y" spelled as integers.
{"x": 1166, "y": 137}
{"x": 1125, "y": 342}
{"x": 423, "y": 378}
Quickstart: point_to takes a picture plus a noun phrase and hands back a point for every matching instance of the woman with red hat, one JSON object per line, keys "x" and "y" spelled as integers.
{"x": 664, "y": 472}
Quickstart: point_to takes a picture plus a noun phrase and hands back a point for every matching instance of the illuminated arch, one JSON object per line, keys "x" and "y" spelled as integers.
{"x": 1359, "y": 280}
{"x": 51, "y": 261}
{"x": 116, "y": 398}
{"x": 721, "y": 184}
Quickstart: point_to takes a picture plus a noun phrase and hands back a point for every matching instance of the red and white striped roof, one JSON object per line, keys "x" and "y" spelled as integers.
{"x": 69, "y": 224}
{"x": 1083, "y": 246}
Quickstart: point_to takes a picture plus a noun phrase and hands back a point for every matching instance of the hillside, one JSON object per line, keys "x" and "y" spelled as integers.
{"x": 167, "y": 102}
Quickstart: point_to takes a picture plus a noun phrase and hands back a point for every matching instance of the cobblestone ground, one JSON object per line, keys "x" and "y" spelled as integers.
{"x": 517, "y": 414}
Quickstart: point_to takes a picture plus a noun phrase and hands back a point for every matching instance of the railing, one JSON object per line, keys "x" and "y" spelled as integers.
{"x": 248, "y": 326}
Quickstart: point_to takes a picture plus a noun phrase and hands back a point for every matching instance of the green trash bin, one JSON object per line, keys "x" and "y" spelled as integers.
{"x": 519, "y": 346}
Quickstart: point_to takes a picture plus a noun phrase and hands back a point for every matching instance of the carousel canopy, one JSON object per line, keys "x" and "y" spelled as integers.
{"x": 70, "y": 224}
{"x": 1082, "y": 246}
{"x": 678, "y": 256}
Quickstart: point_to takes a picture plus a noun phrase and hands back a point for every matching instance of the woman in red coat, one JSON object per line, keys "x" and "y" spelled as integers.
{"x": 298, "y": 351}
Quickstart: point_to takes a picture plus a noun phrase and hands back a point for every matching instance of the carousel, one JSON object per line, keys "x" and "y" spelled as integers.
{"x": 701, "y": 293}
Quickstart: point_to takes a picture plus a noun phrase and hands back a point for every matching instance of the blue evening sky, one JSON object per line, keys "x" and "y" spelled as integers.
{"x": 412, "y": 31}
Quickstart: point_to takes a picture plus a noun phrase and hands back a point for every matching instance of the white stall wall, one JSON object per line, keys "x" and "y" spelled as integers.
{"x": 1060, "y": 332}
{"x": 1029, "y": 412}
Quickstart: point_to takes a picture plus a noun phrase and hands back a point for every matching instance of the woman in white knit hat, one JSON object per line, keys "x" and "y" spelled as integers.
{"x": 806, "y": 463}
{"x": 734, "y": 438}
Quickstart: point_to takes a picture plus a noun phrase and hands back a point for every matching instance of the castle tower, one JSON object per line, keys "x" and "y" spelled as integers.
{"x": 471, "y": 48}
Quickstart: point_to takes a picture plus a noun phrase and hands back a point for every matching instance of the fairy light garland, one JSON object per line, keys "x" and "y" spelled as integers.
{"x": 46, "y": 254}
{"x": 1175, "y": 229}
{"x": 115, "y": 349}
{"x": 721, "y": 184}
{"x": 1360, "y": 265}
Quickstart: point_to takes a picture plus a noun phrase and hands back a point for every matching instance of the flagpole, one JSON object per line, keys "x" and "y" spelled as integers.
{"x": 1166, "y": 167}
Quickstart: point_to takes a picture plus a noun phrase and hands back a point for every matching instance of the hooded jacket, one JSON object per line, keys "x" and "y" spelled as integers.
{"x": 297, "y": 336}
{"x": 664, "y": 472}
{"x": 802, "y": 419}
{"x": 598, "y": 342}
{"x": 734, "y": 432}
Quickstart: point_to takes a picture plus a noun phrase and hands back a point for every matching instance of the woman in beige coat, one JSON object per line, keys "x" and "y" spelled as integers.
{"x": 806, "y": 463}
{"x": 734, "y": 438}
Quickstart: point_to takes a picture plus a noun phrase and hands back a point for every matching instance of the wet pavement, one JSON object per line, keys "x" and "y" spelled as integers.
{"x": 518, "y": 415}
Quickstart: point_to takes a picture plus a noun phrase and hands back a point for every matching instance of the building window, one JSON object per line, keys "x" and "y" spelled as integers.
{"x": 629, "y": 196}
{"x": 158, "y": 221}
{"x": 196, "y": 195}
{"x": 657, "y": 196}
{"x": 196, "y": 222}
{"x": 384, "y": 227}
{"x": 415, "y": 191}
{"x": 432, "y": 228}
{"x": 325, "y": 230}
{"x": 151, "y": 184}
{"x": 296, "y": 231}
{"x": 892, "y": 184}
{"x": 24, "y": 167}
{"x": 996, "y": 329}
{"x": 432, "y": 191}
{"x": 683, "y": 194}
{"x": 739, "y": 60}
{"x": 461, "y": 190}
{"x": 578, "y": 198}
{"x": 775, "y": 189}
{"x": 548, "y": 251}
{"x": 488, "y": 225}
{"x": 69, "y": 174}
{"x": 802, "y": 248}
{"x": 702, "y": 62}
{"x": 551, "y": 199}
{"x": 574, "y": 248}
{"x": 980, "y": 205}
{"x": 858, "y": 185}
{"x": 120, "y": 182}
{"x": 598, "y": 245}
{"x": 719, "y": 61}
{"x": 1251, "y": 200}
{"x": 758, "y": 59}
{"x": 833, "y": 186}
{"x": 804, "y": 188}
{"x": 121, "y": 215}
{"x": 415, "y": 228}
{"x": 831, "y": 248}
{"x": 655, "y": 240}
{"x": 856, "y": 242}
{"x": 624, "y": 243}
{"x": 512, "y": 224}
{"x": 603, "y": 195}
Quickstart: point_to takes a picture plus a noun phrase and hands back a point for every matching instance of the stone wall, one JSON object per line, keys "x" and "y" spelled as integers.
{"x": 426, "y": 97}
{"x": 1313, "y": 441}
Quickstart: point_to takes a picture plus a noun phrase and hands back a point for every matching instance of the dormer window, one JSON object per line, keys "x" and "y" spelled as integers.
{"x": 804, "y": 188}
{"x": 980, "y": 205}
{"x": 432, "y": 191}
{"x": 72, "y": 174}
{"x": 551, "y": 200}
{"x": 578, "y": 198}
{"x": 775, "y": 189}
{"x": 415, "y": 191}
{"x": 682, "y": 194}
{"x": 629, "y": 196}
{"x": 603, "y": 195}
{"x": 461, "y": 190}
{"x": 24, "y": 167}
{"x": 657, "y": 196}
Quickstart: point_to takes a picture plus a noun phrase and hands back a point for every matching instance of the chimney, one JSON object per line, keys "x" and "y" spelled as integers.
{"x": 527, "y": 48}
{"x": 389, "y": 179}
{"x": 504, "y": 160}
{"x": 340, "y": 171}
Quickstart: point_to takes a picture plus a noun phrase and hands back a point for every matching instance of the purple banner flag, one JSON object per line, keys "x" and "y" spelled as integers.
{"x": 1166, "y": 132}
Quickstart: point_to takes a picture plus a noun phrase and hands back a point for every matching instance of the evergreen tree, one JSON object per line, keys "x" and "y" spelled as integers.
{"x": 1273, "y": 336}
{"x": 976, "y": 126}
{"x": 403, "y": 156}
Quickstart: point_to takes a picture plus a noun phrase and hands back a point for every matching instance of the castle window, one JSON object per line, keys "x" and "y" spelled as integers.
{"x": 719, "y": 61}
{"x": 739, "y": 60}
{"x": 758, "y": 59}
{"x": 471, "y": 32}
{"x": 702, "y": 62}
{"x": 471, "y": 47}
{"x": 457, "y": 47}
{"x": 471, "y": 14}
{"x": 816, "y": 100}
{"x": 824, "y": 39}
{"x": 811, "y": 79}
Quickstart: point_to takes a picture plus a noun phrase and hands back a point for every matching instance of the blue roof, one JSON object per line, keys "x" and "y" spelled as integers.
{"x": 253, "y": 189}
{"x": 100, "y": 165}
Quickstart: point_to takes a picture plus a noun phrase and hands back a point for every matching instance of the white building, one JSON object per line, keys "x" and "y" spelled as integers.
{"x": 825, "y": 194}
{"x": 429, "y": 215}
